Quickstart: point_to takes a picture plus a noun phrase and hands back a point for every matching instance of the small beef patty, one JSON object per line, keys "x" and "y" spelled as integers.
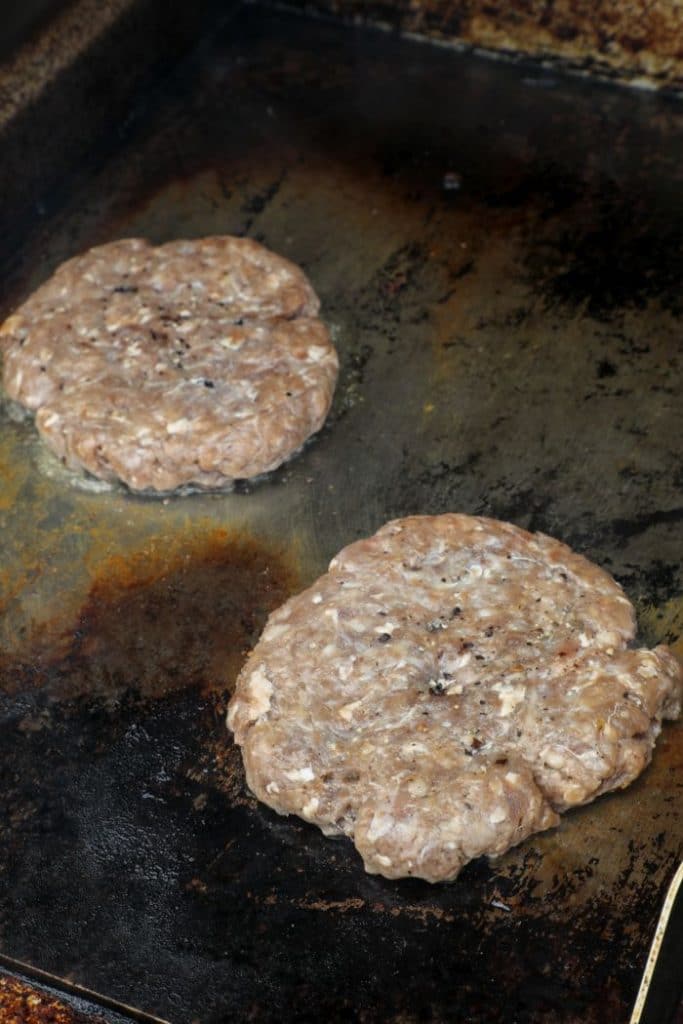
{"x": 192, "y": 363}
{"x": 446, "y": 689}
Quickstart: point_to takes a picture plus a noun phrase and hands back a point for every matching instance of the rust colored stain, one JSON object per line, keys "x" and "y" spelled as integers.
{"x": 176, "y": 614}
{"x": 21, "y": 1003}
{"x": 635, "y": 40}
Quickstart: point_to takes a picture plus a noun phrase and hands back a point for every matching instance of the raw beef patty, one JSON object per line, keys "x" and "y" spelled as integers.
{"x": 447, "y": 688}
{"x": 192, "y": 363}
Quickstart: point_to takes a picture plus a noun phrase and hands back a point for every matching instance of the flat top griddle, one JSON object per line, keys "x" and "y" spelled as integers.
{"x": 498, "y": 251}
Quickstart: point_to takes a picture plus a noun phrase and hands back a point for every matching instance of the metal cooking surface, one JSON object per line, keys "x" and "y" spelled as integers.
{"x": 498, "y": 254}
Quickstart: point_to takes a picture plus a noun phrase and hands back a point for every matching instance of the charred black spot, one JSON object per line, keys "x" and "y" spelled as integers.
{"x": 606, "y": 369}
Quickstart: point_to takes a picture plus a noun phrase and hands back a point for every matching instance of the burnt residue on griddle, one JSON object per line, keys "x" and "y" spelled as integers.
{"x": 120, "y": 838}
{"x": 613, "y": 253}
{"x": 24, "y": 1003}
{"x": 472, "y": 324}
{"x": 179, "y": 613}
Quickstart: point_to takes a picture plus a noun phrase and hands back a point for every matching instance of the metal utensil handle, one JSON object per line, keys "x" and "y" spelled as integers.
{"x": 656, "y": 946}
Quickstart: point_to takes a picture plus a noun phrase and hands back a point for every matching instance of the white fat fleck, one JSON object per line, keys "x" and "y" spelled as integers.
{"x": 347, "y": 710}
{"x": 317, "y": 599}
{"x": 316, "y": 353}
{"x": 275, "y": 630}
{"x": 585, "y": 684}
{"x": 346, "y": 669}
{"x": 309, "y": 809}
{"x": 510, "y": 696}
{"x": 497, "y": 815}
{"x": 513, "y": 778}
{"x": 301, "y": 774}
{"x": 647, "y": 671}
{"x": 523, "y": 558}
{"x": 554, "y": 758}
{"x": 461, "y": 661}
{"x": 384, "y": 861}
{"x": 379, "y": 826}
{"x": 412, "y": 748}
{"x": 386, "y": 627}
{"x": 259, "y": 690}
{"x": 333, "y": 614}
{"x": 583, "y": 639}
{"x": 418, "y": 787}
{"x": 180, "y": 426}
{"x": 272, "y": 788}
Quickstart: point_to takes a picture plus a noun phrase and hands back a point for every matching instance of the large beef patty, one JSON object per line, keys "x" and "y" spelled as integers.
{"x": 447, "y": 688}
{"x": 194, "y": 363}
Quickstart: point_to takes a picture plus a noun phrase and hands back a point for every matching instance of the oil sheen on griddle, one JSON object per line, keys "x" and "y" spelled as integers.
{"x": 179, "y": 614}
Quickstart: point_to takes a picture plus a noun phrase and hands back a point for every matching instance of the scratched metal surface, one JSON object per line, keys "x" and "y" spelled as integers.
{"x": 499, "y": 257}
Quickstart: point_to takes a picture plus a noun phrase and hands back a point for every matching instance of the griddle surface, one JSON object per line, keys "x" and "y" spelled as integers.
{"x": 499, "y": 254}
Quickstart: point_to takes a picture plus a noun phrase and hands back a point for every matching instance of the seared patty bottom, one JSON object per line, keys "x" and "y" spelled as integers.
{"x": 191, "y": 363}
{"x": 446, "y": 689}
